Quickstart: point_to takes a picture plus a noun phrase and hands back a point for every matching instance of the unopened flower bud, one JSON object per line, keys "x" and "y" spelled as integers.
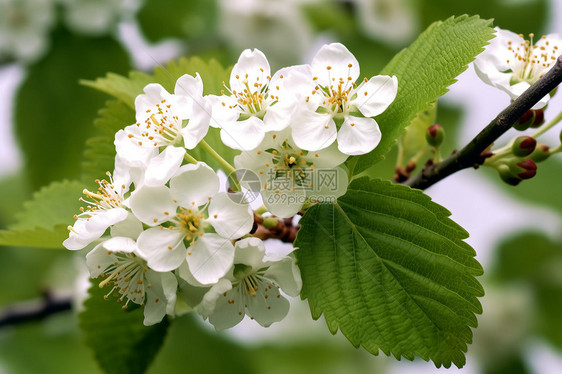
{"x": 539, "y": 118}
{"x": 525, "y": 169}
{"x": 526, "y": 120}
{"x": 541, "y": 153}
{"x": 434, "y": 135}
{"x": 523, "y": 146}
{"x": 507, "y": 176}
{"x": 270, "y": 222}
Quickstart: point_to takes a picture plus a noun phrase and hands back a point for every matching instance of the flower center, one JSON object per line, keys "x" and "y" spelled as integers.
{"x": 161, "y": 127}
{"x": 336, "y": 96}
{"x": 529, "y": 62}
{"x": 254, "y": 98}
{"x": 127, "y": 275}
{"x": 107, "y": 197}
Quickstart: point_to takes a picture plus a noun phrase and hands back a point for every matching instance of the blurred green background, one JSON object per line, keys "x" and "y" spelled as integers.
{"x": 47, "y": 46}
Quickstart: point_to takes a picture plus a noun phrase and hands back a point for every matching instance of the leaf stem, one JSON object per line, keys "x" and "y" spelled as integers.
{"x": 229, "y": 169}
{"x": 189, "y": 159}
{"x": 473, "y": 154}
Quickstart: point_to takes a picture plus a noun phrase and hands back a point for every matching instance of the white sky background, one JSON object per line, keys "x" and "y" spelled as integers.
{"x": 476, "y": 203}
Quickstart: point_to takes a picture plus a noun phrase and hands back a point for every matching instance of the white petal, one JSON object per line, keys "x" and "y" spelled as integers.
{"x": 198, "y": 123}
{"x": 163, "y": 249}
{"x": 250, "y": 251}
{"x": 225, "y": 110}
{"x": 98, "y": 259}
{"x": 252, "y": 66}
{"x": 243, "y": 135}
{"x": 230, "y": 219}
{"x": 327, "y": 158}
{"x": 358, "y": 136}
{"x": 278, "y": 117}
{"x": 211, "y": 257}
{"x": 190, "y": 86}
{"x": 152, "y": 205}
{"x": 209, "y": 302}
{"x": 286, "y": 203}
{"x": 194, "y": 184}
{"x": 130, "y": 227}
{"x": 330, "y": 184}
{"x": 338, "y": 58}
{"x": 313, "y": 131}
{"x": 517, "y": 89}
{"x": 120, "y": 244}
{"x": 267, "y": 310}
{"x": 161, "y": 168}
{"x": 160, "y": 297}
{"x": 374, "y": 96}
{"x": 287, "y": 275}
{"x": 87, "y": 230}
{"x": 129, "y": 151}
{"x": 229, "y": 309}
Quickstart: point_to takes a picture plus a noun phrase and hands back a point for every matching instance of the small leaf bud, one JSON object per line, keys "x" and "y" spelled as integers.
{"x": 541, "y": 153}
{"x": 434, "y": 135}
{"x": 523, "y": 146}
{"x": 526, "y": 120}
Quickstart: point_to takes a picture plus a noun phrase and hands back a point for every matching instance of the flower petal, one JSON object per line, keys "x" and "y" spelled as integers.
{"x": 229, "y": 309}
{"x": 161, "y": 168}
{"x": 189, "y": 86}
{"x": 313, "y": 131}
{"x": 250, "y": 251}
{"x": 194, "y": 184}
{"x": 160, "y": 297}
{"x": 375, "y": 95}
{"x": 225, "y": 110}
{"x": 152, "y": 205}
{"x": 120, "y": 244}
{"x": 163, "y": 249}
{"x": 287, "y": 275}
{"x": 130, "y": 227}
{"x": 243, "y": 135}
{"x": 252, "y": 67}
{"x": 198, "y": 123}
{"x": 286, "y": 203}
{"x": 98, "y": 259}
{"x": 86, "y": 230}
{"x": 210, "y": 258}
{"x": 358, "y": 136}
{"x": 333, "y": 61}
{"x": 230, "y": 219}
{"x": 267, "y": 306}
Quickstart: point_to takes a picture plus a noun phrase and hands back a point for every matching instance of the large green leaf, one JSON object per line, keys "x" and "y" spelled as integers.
{"x": 53, "y": 113}
{"x": 424, "y": 71}
{"x": 43, "y": 220}
{"x": 121, "y": 343}
{"x": 387, "y": 267}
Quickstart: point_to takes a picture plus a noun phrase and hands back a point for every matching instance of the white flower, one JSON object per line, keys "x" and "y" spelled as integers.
{"x": 252, "y": 287}
{"x": 92, "y": 16}
{"x": 118, "y": 261}
{"x": 513, "y": 64}
{"x": 291, "y": 176}
{"x": 257, "y": 103}
{"x": 24, "y": 28}
{"x": 279, "y": 28}
{"x": 165, "y": 119}
{"x": 105, "y": 208}
{"x": 337, "y": 108}
{"x": 389, "y": 21}
{"x": 193, "y": 222}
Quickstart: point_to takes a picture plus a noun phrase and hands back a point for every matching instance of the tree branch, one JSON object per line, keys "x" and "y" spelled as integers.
{"x": 471, "y": 155}
{"x": 34, "y": 310}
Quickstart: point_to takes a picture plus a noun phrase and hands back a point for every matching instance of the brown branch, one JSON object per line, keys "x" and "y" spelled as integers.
{"x": 34, "y": 310}
{"x": 473, "y": 154}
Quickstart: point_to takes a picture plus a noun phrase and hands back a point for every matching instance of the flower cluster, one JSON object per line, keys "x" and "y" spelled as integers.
{"x": 165, "y": 235}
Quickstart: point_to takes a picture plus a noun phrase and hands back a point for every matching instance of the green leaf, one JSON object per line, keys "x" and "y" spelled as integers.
{"x": 424, "y": 71}
{"x": 387, "y": 267}
{"x": 121, "y": 343}
{"x": 53, "y": 113}
{"x": 43, "y": 220}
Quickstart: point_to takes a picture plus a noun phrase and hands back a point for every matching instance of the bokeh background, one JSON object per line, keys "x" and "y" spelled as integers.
{"x": 48, "y": 46}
